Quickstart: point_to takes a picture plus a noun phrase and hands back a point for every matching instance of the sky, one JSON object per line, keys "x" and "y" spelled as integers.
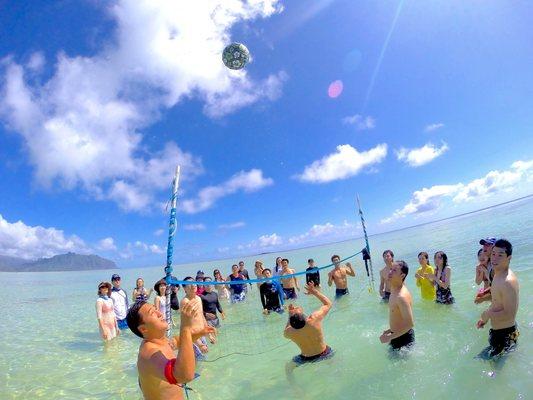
{"x": 423, "y": 109}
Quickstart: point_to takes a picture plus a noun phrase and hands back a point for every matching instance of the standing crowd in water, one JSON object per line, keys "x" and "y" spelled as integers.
{"x": 162, "y": 374}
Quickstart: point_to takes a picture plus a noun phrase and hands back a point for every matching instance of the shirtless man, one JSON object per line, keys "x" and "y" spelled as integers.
{"x": 384, "y": 289}
{"x": 289, "y": 284}
{"x": 161, "y": 373}
{"x": 401, "y": 333}
{"x": 338, "y": 275}
{"x": 306, "y": 331}
{"x": 502, "y": 311}
{"x": 199, "y": 321}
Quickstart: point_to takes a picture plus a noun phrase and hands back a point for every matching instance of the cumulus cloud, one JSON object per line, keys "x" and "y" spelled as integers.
{"x": 140, "y": 248}
{"x": 30, "y": 242}
{"x": 250, "y": 181}
{"x": 194, "y": 227}
{"x": 106, "y": 244}
{"x": 159, "y": 232}
{"x": 360, "y": 122}
{"x": 326, "y": 232}
{"x": 433, "y": 127}
{"x": 82, "y": 126}
{"x": 430, "y": 199}
{"x": 344, "y": 163}
{"x": 234, "y": 225}
{"x": 422, "y": 155}
{"x": 269, "y": 240}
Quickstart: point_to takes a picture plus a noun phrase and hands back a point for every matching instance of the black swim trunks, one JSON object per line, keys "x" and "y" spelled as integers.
{"x": 406, "y": 340}
{"x": 386, "y": 297}
{"x": 341, "y": 292}
{"x": 301, "y": 359}
{"x": 502, "y": 340}
{"x": 290, "y": 293}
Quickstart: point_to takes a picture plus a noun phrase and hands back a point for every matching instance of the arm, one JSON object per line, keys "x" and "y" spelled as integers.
{"x": 156, "y": 302}
{"x": 445, "y": 283}
{"x": 508, "y": 304}
{"x": 326, "y": 302}
{"x": 288, "y": 330}
{"x": 479, "y": 274}
{"x": 99, "y": 318}
{"x": 330, "y": 278}
{"x": 318, "y": 277}
{"x": 295, "y": 281}
{"x": 381, "y": 285}
{"x": 349, "y": 269}
{"x": 134, "y": 295}
{"x": 262, "y": 295}
{"x": 407, "y": 318}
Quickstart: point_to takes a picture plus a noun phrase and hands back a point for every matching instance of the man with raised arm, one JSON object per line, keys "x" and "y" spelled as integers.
{"x": 401, "y": 333}
{"x": 384, "y": 287}
{"x": 306, "y": 331}
{"x": 338, "y": 275}
{"x": 504, "y": 302}
{"x": 161, "y": 373}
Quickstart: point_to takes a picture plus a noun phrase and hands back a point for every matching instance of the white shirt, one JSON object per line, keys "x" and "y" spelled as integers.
{"x": 120, "y": 303}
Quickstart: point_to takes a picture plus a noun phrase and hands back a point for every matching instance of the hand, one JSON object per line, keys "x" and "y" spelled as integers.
{"x": 200, "y": 332}
{"x": 480, "y": 324}
{"x": 118, "y": 330}
{"x": 265, "y": 311}
{"x": 385, "y": 337}
{"x": 203, "y": 348}
{"x": 310, "y": 288}
{"x": 189, "y": 310}
{"x": 105, "y": 336}
{"x": 418, "y": 276}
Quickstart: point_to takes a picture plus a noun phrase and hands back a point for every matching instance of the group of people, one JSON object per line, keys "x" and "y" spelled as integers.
{"x": 161, "y": 373}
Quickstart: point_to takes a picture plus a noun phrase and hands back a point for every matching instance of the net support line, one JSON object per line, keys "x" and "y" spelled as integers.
{"x": 172, "y": 227}
{"x": 366, "y": 251}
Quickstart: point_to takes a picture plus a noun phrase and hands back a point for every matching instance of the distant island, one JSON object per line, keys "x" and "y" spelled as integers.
{"x": 61, "y": 262}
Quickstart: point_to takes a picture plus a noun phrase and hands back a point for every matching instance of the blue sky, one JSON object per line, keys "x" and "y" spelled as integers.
{"x": 421, "y": 108}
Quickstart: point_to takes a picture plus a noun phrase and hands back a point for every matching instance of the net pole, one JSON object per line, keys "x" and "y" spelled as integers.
{"x": 367, "y": 256}
{"x": 172, "y": 226}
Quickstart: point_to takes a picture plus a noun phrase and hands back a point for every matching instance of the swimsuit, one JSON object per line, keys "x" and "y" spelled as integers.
{"x": 502, "y": 340}
{"x": 444, "y": 295}
{"x": 141, "y": 296}
{"x": 341, "y": 292}
{"x": 406, "y": 340}
{"x": 301, "y": 359}
{"x": 270, "y": 296}
{"x": 386, "y": 297}
{"x": 238, "y": 297}
{"x": 290, "y": 293}
{"x": 122, "y": 324}
{"x": 312, "y": 276}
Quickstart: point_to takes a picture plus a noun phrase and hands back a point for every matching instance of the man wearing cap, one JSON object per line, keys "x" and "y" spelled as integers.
{"x": 488, "y": 244}
{"x": 120, "y": 302}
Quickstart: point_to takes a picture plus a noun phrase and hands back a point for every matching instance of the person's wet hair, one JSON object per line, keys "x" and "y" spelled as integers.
{"x": 334, "y": 256}
{"x": 444, "y": 258}
{"x": 188, "y": 278}
{"x": 310, "y": 260}
{"x": 267, "y": 269}
{"x": 208, "y": 279}
{"x": 479, "y": 251}
{"x": 285, "y": 259}
{"x": 297, "y": 321}
{"x": 134, "y": 318}
{"x": 506, "y": 245}
{"x": 388, "y": 251}
{"x": 424, "y": 254}
{"x": 404, "y": 268}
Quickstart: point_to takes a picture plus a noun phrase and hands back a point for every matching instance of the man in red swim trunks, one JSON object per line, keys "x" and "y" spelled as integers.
{"x": 161, "y": 373}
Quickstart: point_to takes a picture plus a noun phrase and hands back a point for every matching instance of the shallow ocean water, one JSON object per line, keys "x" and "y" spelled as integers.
{"x": 51, "y": 347}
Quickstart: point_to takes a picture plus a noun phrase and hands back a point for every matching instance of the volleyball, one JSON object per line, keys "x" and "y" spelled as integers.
{"x": 235, "y": 56}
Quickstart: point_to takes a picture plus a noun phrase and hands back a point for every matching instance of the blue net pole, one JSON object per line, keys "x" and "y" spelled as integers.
{"x": 366, "y": 254}
{"x": 172, "y": 226}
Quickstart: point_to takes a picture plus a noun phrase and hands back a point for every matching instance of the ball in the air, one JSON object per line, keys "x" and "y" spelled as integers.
{"x": 235, "y": 56}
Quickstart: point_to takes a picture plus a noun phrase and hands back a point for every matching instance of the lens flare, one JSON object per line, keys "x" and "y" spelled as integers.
{"x": 335, "y": 89}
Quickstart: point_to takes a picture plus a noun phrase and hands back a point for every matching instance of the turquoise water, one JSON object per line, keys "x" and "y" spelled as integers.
{"x": 51, "y": 347}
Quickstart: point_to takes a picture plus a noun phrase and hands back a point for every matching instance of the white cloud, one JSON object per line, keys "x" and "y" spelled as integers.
{"x": 194, "y": 227}
{"x": 140, "y": 248}
{"x": 155, "y": 249}
{"x": 30, "y": 242}
{"x": 360, "y": 122}
{"x": 82, "y": 126}
{"x": 269, "y": 240}
{"x": 326, "y": 232}
{"x": 234, "y": 225}
{"x": 427, "y": 200}
{"x": 159, "y": 232}
{"x": 346, "y": 162}
{"x": 248, "y": 182}
{"x": 422, "y": 155}
{"x": 107, "y": 244}
{"x": 433, "y": 127}
{"x": 223, "y": 250}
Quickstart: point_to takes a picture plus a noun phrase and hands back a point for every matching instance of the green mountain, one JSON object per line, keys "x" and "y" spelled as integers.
{"x": 61, "y": 262}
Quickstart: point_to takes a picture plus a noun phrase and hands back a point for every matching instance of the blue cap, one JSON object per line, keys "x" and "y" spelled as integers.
{"x": 488, "y": 240}
{"x": 115, "y": 276}
{"x": 200, "y": 272}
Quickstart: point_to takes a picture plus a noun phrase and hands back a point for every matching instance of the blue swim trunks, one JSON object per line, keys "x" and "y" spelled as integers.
{"x": 122, "y": 324}
{"x": 301, "y": 359}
